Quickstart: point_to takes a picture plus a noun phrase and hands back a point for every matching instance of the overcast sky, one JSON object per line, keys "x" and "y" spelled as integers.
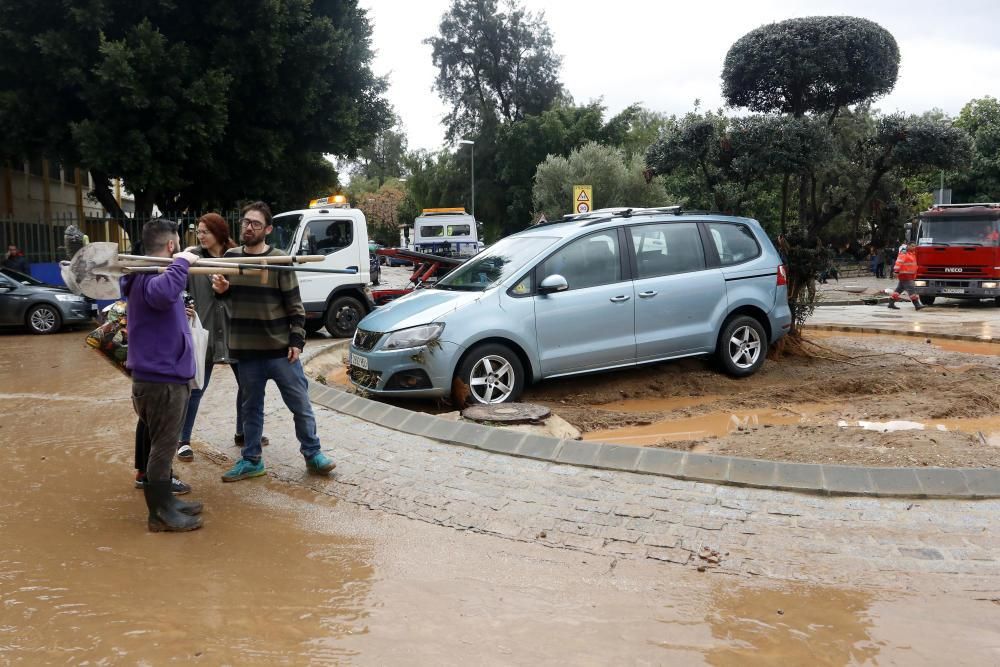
{"x": 667, "y": 54}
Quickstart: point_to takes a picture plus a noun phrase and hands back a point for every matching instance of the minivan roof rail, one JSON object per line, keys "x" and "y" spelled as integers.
{"x": 604, "y": 214}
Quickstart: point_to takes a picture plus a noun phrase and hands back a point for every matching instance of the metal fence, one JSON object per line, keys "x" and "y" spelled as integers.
{"x": 42, "y": 241}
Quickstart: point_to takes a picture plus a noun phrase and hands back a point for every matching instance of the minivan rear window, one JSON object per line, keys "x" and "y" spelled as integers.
{"x": 735, "y": 243}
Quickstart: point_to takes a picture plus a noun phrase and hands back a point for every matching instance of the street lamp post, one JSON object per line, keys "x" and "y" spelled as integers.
{"x": 472, "y": 171}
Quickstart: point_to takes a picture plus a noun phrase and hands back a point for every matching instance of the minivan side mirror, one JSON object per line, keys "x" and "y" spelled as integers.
{"x": 553, "y": 283}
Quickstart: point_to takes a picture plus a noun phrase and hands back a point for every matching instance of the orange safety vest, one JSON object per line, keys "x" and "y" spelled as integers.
{"x": 906, "y": 265}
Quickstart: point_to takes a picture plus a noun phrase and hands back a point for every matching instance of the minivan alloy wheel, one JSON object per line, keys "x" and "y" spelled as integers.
{"x": 492, "y": 379}
{"x": 744, "y": 347}
{"x": 490, "y": 373}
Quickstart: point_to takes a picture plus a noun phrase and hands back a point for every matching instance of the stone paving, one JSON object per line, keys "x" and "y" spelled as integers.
{"x": 740, "y": 531}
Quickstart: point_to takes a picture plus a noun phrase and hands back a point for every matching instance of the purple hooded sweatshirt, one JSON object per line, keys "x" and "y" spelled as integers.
{"x": 160, "y": 348}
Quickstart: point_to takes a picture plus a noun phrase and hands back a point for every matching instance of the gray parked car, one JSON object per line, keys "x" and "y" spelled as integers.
{"x": 609, "y": 289}
{"x": 44, "y": 309}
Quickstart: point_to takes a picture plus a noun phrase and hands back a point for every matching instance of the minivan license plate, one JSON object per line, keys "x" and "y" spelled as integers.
{"x": 359, "y": 361}
{"x": 953, "y": 290}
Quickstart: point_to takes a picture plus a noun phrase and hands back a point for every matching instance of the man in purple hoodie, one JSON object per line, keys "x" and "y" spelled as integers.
{"x": 161, "y": 358}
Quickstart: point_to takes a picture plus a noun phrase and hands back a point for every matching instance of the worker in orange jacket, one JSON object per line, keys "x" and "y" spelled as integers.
{"x": 906, "y": 271}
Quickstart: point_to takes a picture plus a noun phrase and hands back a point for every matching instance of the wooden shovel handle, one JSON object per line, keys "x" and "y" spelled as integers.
{"x": 267, "y": 259}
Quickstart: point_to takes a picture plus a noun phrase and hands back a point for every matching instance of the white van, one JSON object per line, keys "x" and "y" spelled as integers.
{"x": 448, "y": 232}
{"x": 329, "y": 227}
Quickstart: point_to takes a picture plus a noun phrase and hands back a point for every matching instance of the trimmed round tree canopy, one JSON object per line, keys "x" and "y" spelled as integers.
{"x": 810, "y": 65}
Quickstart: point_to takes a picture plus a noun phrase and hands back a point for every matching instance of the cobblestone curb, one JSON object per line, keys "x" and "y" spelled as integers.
{"x": 954, "y": 483}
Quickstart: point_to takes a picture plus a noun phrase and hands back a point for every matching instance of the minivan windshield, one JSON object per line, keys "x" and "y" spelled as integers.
{"x": 495, "y": 264}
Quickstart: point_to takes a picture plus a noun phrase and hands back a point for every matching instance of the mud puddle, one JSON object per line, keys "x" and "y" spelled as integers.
{"x": 943, "y": 344}
{"x": 711, "y": 425}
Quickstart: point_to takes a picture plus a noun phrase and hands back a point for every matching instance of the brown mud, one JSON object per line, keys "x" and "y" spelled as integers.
{"x": 842, "y": 405}
{"x": 282, "y": 575}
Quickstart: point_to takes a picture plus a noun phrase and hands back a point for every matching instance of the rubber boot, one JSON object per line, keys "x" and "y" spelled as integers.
{"x": 164, "y": 516}
{"x": 188, "y": 507}
{"x": 893, "y": 306}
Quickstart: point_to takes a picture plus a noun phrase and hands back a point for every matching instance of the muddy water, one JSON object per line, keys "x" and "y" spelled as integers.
{"x": 796, "y": 626}
{"x": 715, "y": 424}
{"x": 282, "y": 575}
{"x": 82, "y": 580}
{"x": 964, "y": 346}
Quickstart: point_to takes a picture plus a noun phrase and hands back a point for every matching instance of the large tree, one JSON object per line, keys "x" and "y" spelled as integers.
{"x": 814, "y": 65}
{"x": 818, "y": 64}
{"x": 191, "y": 103}
{"x": 495, "y": 63}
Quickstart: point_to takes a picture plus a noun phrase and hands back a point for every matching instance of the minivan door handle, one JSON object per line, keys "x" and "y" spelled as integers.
{"x": 619, "y": 299}
{"x": 647, "y": 295}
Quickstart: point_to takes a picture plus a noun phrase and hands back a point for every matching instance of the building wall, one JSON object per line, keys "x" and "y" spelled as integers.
{"x": 24, "y": 195}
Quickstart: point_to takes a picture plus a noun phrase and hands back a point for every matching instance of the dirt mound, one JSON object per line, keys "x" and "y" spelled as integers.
{"x": 803, "y": 408}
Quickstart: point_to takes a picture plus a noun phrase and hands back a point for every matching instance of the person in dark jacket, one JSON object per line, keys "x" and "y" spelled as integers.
{"x": 16, "y": 261}
{"x": 161, "y": 360}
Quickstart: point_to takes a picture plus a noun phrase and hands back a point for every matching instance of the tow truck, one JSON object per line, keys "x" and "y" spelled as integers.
{"x": 330, "y": 227}
{"x": 958, "y": 252}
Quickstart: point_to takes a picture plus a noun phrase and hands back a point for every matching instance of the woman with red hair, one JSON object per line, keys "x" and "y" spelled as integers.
{"x": 213, "y": 242}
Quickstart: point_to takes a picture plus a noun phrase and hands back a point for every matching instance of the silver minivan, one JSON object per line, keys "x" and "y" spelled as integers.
{"x": 609, "y": 289}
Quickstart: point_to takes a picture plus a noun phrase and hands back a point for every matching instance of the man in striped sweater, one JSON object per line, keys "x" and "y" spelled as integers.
{"x": 266, "y": 337}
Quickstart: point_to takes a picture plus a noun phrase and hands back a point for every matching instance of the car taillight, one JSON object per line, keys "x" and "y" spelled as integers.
{"x": 782, "y": 275}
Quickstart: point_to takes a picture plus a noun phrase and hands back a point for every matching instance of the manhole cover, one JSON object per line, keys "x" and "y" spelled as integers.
{"x": 509, "y": 413}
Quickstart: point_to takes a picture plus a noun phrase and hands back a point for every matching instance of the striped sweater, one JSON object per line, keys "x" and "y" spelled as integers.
{"x": 266, "y": 315}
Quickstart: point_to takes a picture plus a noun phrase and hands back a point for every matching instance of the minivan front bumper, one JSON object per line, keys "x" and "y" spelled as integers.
{"x": 418, "y": 372}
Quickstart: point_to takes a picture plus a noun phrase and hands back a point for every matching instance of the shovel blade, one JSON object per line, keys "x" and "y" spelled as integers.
{"x": 94, "y": 271}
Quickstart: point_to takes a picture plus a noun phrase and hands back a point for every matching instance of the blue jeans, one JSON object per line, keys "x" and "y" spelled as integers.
{"x": 294, "y": 388}
{"x": 195, "y": 401}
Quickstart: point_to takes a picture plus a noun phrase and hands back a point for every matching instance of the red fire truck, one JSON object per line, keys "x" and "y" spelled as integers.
{"x": 958, "y": 252}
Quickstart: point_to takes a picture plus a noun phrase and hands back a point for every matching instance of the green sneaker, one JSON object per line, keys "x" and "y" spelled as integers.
{"x": 244, "y": 469}
{"x": 320, "y": 464}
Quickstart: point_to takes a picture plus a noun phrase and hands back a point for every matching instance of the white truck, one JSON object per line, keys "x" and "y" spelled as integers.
{"x": 448, "y": 232}
{"x": 329, "y": 227}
